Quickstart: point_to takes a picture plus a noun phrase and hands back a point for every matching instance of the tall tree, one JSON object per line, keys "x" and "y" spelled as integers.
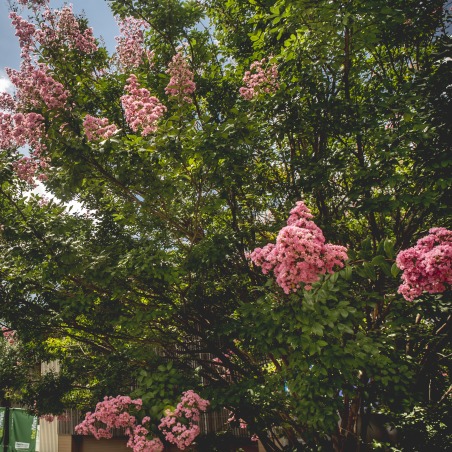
{"x": 188, "y": 149}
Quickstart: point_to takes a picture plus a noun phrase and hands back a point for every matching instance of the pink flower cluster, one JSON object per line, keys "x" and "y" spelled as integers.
{"x": 35, "y": 85}
{"x": 32, "y": 3}
{"x": 29, "y": 169}
{"x": 50, "y": 417}
{"x": 25, "y": 31}
{"x": 139, "y": 442}
{"x": 9, "y": 335}
{"x": 428, "y": 265}
{"x": 62, "y": 28}
{"x": 113, "y": 412}
{"x": 58, "y": 28}
{"x": 33, "y": 81}
{"x": 24, "y": 128}
{"x": 7, "y": 102}
{"x": 47, "y": 417}
{"x": 261, "y": 78}
{"x": 223, "y": 371}
{"x": 142, "y": 110}
{"x": 7, "y": 140}
{"x": 180, "y": 426}
{"x": 130, "y": 47}
{"x": 98, "y": 129}
{"x": 21, "y": 129}
{"x": 300, "y": 254}
{"x": 181, "y": 83}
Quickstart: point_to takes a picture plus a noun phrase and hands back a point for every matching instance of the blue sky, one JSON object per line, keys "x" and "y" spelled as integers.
{"x": 99, "y": 16}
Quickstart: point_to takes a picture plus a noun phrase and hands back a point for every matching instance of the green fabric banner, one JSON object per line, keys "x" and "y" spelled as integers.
{"x": 23, "y": 429}
{"x": 2, "y": 427}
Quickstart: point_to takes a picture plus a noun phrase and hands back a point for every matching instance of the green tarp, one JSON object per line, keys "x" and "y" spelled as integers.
{"x": 23, "y": 429}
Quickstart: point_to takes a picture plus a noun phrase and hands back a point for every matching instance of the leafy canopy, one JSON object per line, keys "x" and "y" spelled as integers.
{"x": 150, "y": 286}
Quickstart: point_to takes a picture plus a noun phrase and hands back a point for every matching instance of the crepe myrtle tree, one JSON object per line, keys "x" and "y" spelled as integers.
{"x": 264, "y": 222}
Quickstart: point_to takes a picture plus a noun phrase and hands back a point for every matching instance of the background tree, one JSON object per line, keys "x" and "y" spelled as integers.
{"x": 190, "y": 155}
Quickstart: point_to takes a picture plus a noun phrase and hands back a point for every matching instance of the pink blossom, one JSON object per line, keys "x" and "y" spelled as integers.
{"x": 63, "y": 417}
{"x": 97, "y": 129}
{"x": 36, "y": 86}
{"x": 142, "y": 110}
{"x": 43, "y": 201}
{"x": 68, "y": 30}
{"x": 261, "y": 78}
{"x": 29, "y": 129}
{"x": 6, "y": 131}
{"x": 179, "y": 426}
{"x": 48, "y": 417}
{"x": 300, "y": 254}
{"x": 427, "y": 267}
{"x": 58, "y": 28}
{"x": 114, "y": 412}
{"x": 21, "y": 129}
{"x": 130, "y": 47}
{"x": 28, "y": 168}
{"x": 223, "y": 371}
{"x": 138, "y": 439}
{"x": 181, "y": 83}
{"x": 62, "y": 28}
{"x": 7, "y": 102}
{"x": 32, "y": 3}
{"x": 25, "y": 31}
{"x": 9, "y": 335}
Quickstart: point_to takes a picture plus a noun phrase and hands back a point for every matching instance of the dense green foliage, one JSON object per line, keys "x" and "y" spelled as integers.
{"x": 152, "y": 287}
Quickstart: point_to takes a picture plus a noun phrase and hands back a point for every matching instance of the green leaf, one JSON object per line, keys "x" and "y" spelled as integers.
{"x": 389, "y": 248}
{"x": 347, "y": 272}
{"x": 369, "y": 271}
{"x": 317, "y": 329}
{"x": 395, "y": 270}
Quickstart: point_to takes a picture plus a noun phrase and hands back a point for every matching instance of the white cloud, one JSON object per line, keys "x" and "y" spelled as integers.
{"x": 5, "y": 84}
{"x": 71, "y": 207}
